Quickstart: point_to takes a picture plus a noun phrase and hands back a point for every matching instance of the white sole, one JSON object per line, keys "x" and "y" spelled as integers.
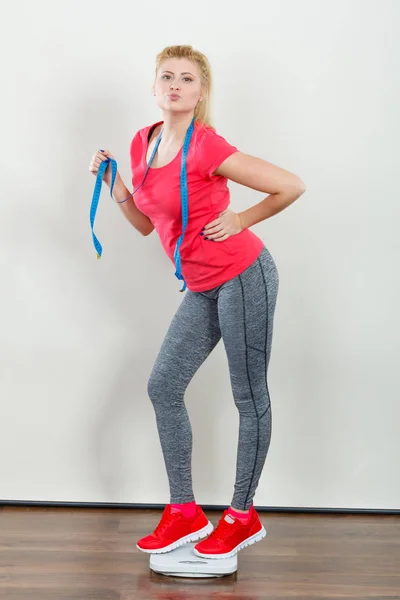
{"x": 192, "y": 537}
{"x": 257, "y": 537}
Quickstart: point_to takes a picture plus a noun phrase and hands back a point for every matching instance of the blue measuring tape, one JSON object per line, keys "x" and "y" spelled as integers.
{"x": 183, "y": 189}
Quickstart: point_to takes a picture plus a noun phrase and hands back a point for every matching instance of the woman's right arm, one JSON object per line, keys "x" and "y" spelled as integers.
{"x": 135, "y": 216}
{"x": 140, "y": 221}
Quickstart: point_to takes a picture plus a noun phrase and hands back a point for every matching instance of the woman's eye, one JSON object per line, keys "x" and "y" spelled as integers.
{"x": 186, "y": 79}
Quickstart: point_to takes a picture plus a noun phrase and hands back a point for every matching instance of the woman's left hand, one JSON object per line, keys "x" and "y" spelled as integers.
{"x": 227, "y": 224}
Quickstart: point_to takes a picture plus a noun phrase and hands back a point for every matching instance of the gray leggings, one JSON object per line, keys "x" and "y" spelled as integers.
{"x": 242, "y": 312}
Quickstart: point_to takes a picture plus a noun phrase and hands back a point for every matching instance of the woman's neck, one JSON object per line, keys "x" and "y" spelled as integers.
{"x": 175, "y": 126}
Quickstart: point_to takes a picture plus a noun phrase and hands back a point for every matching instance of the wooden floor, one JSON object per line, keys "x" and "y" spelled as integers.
{"x": 87, "y": 554}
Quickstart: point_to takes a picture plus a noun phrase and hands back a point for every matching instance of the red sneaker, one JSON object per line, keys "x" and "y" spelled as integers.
{"x": 174, "y": 530}
{"x": 230, "y": 536}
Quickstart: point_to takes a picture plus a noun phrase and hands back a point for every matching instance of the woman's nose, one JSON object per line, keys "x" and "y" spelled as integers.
{"x": 172, "y": 86}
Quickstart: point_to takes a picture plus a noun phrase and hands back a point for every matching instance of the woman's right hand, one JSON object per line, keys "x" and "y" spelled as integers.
{"x": 97, "y": 158}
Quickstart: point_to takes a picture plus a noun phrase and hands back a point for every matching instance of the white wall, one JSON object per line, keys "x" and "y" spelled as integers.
{"x": 311, "y": 86}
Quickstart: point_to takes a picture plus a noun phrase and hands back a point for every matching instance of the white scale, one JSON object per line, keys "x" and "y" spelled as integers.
{"x": 183, "y": 562}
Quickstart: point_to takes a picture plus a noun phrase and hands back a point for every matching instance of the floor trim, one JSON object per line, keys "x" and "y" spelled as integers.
{"x": 217, "y": 507}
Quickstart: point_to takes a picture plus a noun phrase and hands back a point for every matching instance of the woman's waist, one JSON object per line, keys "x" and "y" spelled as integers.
{"x": 194, "y": 246}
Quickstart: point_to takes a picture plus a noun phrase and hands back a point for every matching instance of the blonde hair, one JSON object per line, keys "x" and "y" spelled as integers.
{"x": 202, "y": 112}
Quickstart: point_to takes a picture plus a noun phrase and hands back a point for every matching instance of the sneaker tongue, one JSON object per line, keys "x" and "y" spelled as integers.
{"x": 173, "y": 509}
{"x": 229, "y": 519}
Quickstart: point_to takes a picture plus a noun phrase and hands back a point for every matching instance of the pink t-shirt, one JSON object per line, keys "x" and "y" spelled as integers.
{"x": 204, "y": 264}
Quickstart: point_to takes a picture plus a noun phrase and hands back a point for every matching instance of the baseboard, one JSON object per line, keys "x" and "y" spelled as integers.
{"x": 216, "y": 507}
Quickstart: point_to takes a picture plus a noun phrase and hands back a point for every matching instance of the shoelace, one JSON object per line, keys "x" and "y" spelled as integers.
{"x": 165, "y": 522}
{"x": 222, "y": 531}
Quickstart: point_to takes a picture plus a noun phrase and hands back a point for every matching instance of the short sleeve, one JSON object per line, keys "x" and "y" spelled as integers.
{"x": 212, "y": 150}
{"x": 136, "y": 147}
{"x": 136, "y": 151}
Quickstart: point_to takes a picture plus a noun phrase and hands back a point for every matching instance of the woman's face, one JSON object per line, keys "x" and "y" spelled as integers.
{"x": 177, "y": 87}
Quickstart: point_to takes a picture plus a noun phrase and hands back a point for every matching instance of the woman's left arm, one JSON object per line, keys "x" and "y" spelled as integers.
{"x": 282, "y": 186}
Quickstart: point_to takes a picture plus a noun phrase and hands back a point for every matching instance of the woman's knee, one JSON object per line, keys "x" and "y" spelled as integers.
{"x": 155, "y": 387}
{"x": 250, "y": 405}
{"x": 162, "y": 390}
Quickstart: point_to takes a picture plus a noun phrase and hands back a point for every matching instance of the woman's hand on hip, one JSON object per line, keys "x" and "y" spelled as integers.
{"x": 228, "y": 223}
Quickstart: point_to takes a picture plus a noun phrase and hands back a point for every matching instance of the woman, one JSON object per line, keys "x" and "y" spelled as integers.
{"x": 232, "y": 283}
